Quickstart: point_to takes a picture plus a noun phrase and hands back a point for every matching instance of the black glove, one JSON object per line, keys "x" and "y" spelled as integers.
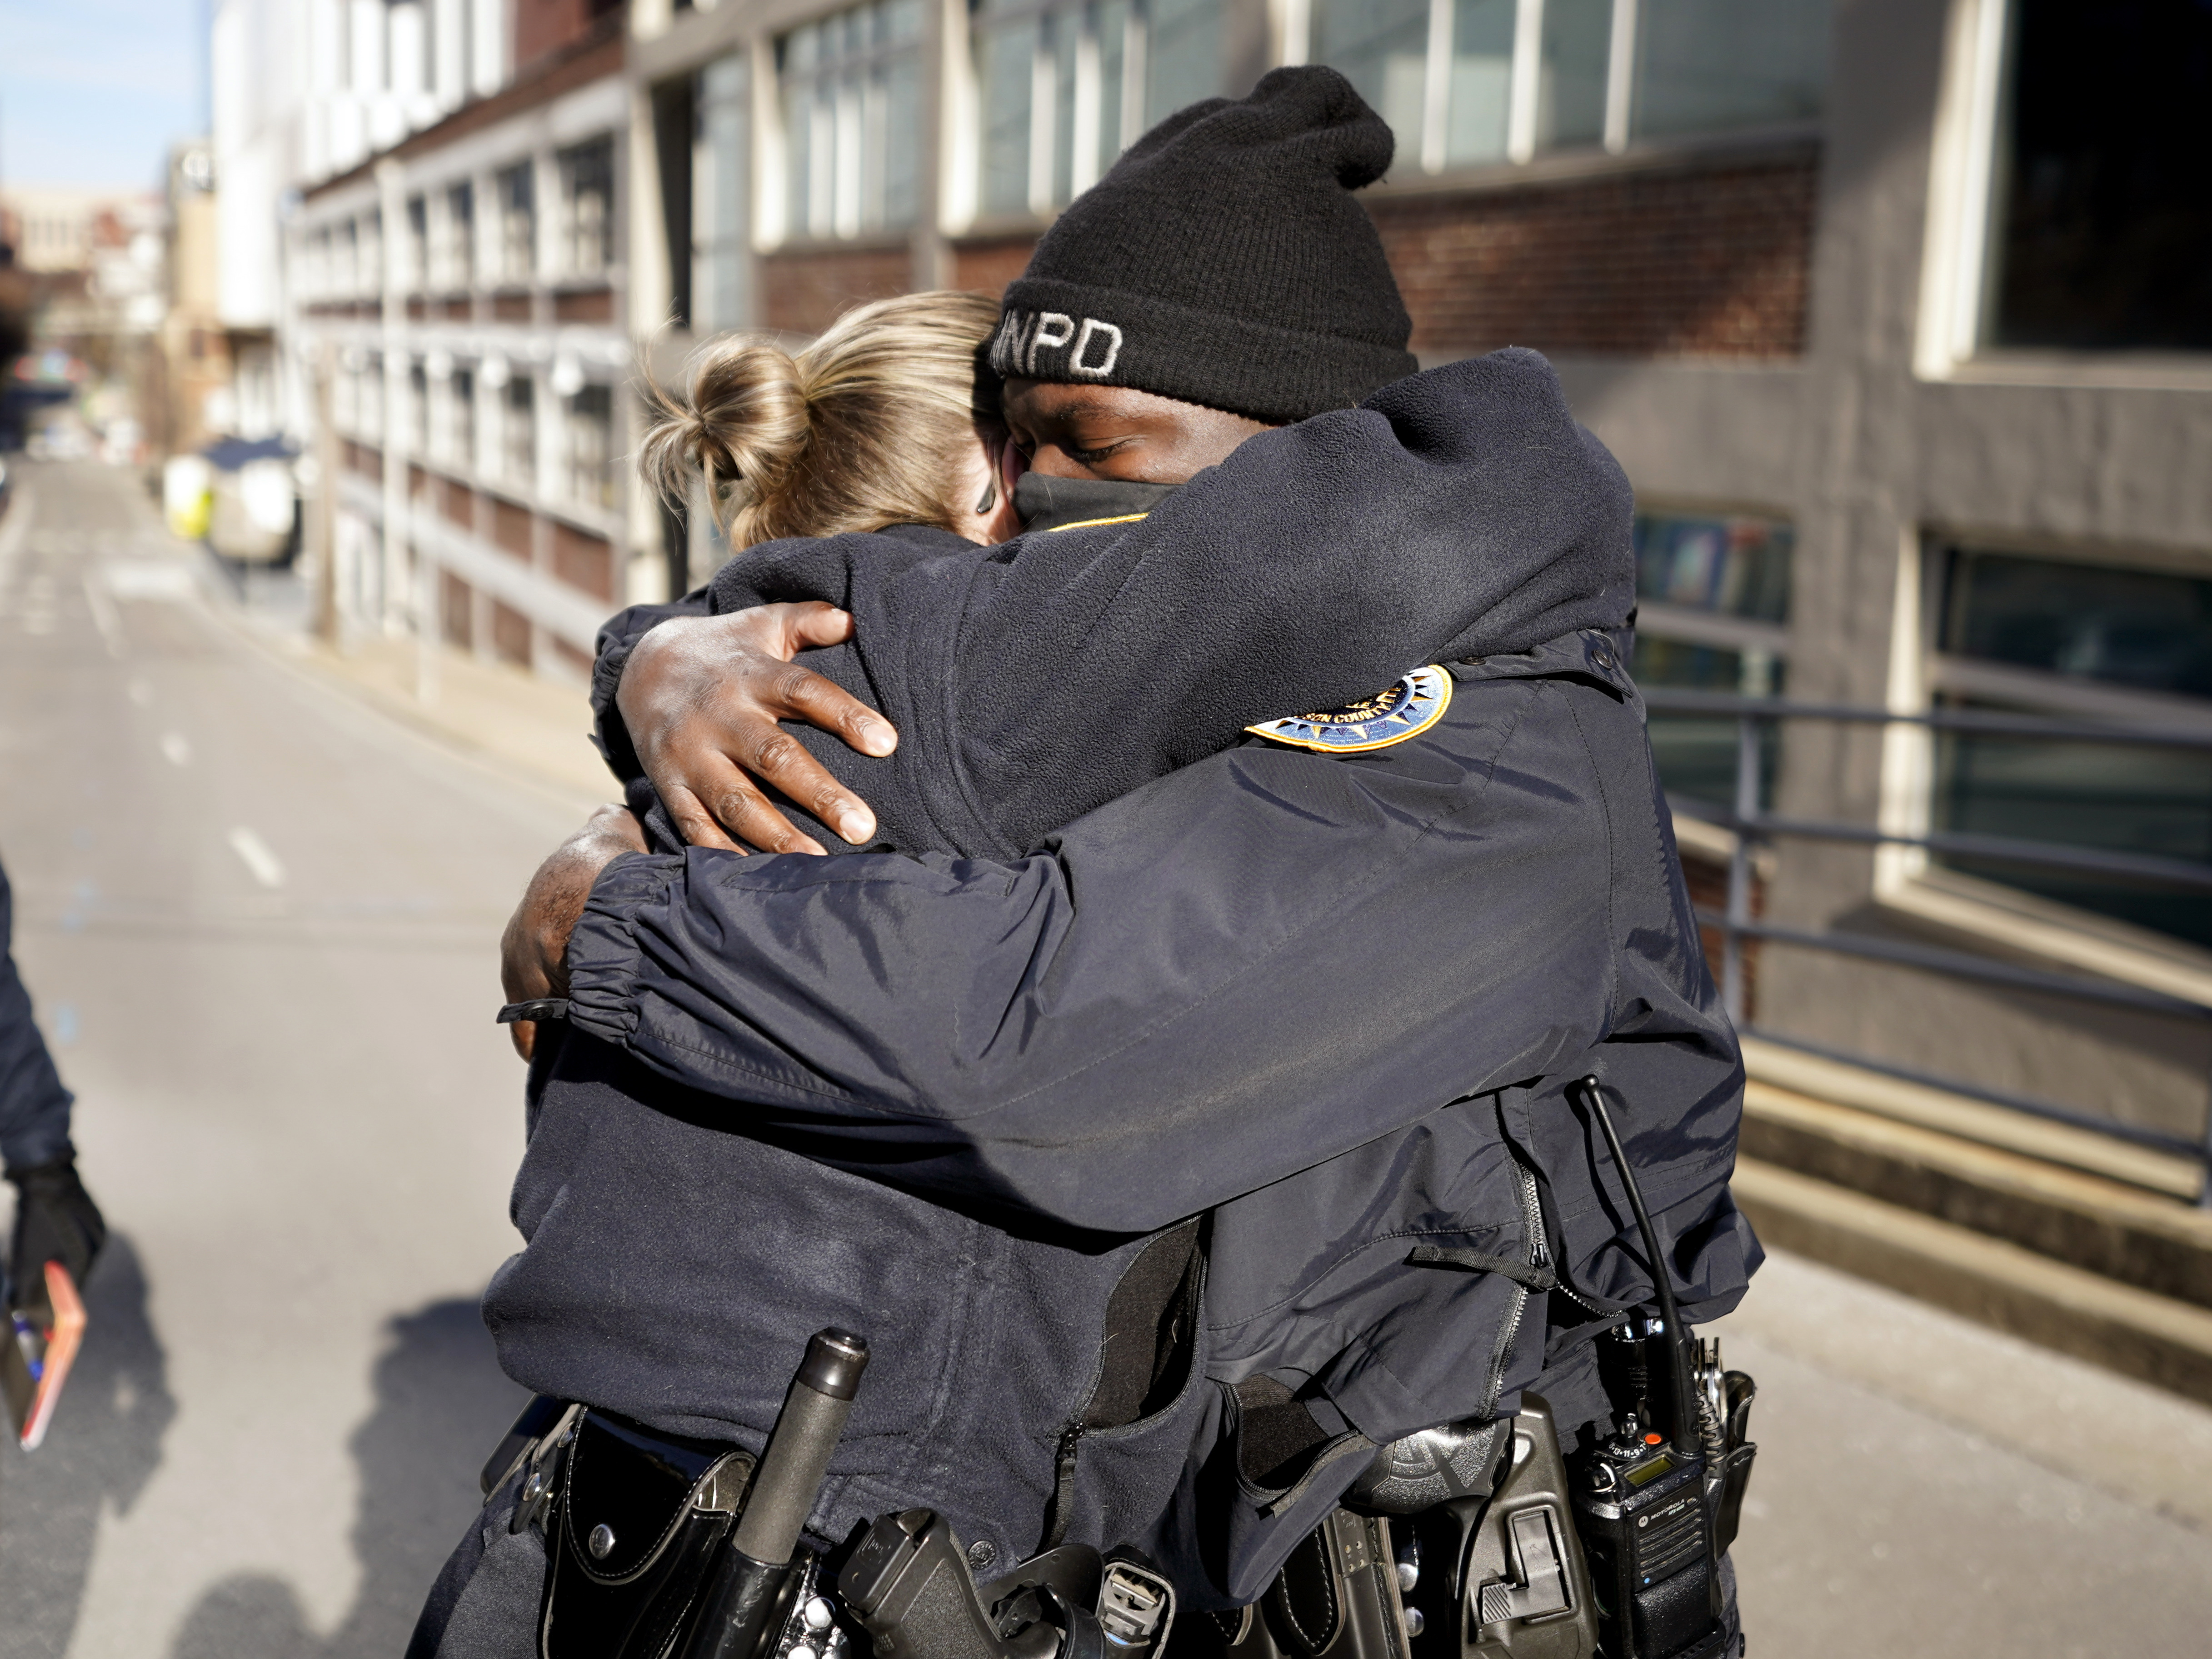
{"x": 56, "y": 1220}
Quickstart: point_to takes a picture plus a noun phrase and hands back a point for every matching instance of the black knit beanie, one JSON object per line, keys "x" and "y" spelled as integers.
{"x": 1223, "y": 262}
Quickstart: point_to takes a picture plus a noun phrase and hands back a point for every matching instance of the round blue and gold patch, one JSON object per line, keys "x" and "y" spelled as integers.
{"x": 1408, "y": 708}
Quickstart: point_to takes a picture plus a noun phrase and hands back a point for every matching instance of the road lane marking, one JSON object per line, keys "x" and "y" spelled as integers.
{"x": 174, "y": 746}
{"x": 150, "y": 579}
{"x": 142, "y": 693}
{"x": 254, "y": 852}
{"x": 104, "y": 616}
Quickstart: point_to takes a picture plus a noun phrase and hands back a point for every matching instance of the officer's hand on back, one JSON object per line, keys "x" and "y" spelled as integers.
{"x": 702, "y": 696}
{"x": 56, "y": 1220}
{"x": 534, "y": 951}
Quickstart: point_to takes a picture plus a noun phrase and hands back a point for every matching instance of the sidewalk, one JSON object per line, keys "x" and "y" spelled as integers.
{"x": 512, "y": 720}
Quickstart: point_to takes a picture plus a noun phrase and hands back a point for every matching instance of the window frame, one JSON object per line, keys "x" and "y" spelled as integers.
{"x": 1693, "y": 625}
{"x": 569, "y": 162}
{"x": 519, "y": 441}
{"x": 1620, "y": 140}
{"x": 605, "y": 500}
{"x": 1958, "y": 263}
{"x": 517, "y": 210}
{"x": 1085, "y": 163}
{"x": 454, "y": 265}
{"x": 464, "y": 419}
{"x": 776, "y": 213}
{"x": 1906, "y": 879}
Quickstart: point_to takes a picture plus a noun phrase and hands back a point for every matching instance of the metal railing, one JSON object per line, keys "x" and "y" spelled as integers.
{"x": 1755, "y": 827}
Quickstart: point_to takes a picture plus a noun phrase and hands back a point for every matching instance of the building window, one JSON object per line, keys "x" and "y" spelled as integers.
{"x": 2081, "y": 642}
{"x": 720, "y": 288}
{"x": 519, "y": 432}
{"x": 347, "y": 273}
{"x": 590, "y": 446}
{"x": 1703, "y": 65}
{"x": 463, "y": 434}
{"x": 418, "y": 243}
{"x": 1477, "y": 83}
{"x": 1056, "y": 97}
{"x": 587, "y": 208}
{"x": 1712, "y": 594}
{"x": 2102, "y": 233}
{"x": 1182, "y": 54}
{"x": 1063, "y": 86}
{"x": 851, "y": 88}
{"x": 371, "y": 407}
{"x": 457, "y": 263}
{"x": 369, "y": 274}
{"x": 518, "y": 224}
{"x": 419, "y": 410}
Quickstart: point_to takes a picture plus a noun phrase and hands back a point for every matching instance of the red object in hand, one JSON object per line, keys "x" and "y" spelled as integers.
{"x": 35, "y": 1363}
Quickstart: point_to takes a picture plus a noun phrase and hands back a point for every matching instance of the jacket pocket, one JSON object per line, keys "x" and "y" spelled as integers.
{"x": 1122, "y": 1454}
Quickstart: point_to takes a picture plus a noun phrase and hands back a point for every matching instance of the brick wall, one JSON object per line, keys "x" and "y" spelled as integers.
{"x": 987, "y": 267}
{"x": 1709, "y": 262}
{"x": 510, "y": 527}
{"x": 1708, "y": 882}
{"x": 584, "y": 561}
{"x": 805, "y": 292}
{"x": 510, "y": 635}
{"x": 546, "y": 26}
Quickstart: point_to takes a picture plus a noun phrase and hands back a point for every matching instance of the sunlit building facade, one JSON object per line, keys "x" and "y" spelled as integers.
{"x": 431, "y": 229}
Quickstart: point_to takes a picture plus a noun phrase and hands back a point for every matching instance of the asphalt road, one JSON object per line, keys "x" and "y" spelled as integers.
{"x": 260, "y": 922}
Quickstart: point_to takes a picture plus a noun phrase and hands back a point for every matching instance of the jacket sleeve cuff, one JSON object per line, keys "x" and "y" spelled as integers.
{"x": 605, "y": 955}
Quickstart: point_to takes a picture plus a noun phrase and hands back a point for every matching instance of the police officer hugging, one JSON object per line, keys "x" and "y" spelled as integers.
{"x": 1160, "y": 1209}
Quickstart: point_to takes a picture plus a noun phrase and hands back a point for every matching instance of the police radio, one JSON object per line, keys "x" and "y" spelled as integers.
{"x": 1658, "y": 1502}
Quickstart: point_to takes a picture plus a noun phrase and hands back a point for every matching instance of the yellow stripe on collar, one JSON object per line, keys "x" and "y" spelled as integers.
{"x": 1093, "y": 524}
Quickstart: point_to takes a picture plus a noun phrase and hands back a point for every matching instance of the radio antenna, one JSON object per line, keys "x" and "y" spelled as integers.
{"x": 1687, "y": 1441}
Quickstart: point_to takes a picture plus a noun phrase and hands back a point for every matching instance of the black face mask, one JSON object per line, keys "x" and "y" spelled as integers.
{"x": 1048, "y": 503}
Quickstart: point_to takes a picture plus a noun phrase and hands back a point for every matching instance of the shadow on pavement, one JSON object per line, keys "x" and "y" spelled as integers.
{"x": 441, "y": 1404}
{"x": 104, "y": 1443}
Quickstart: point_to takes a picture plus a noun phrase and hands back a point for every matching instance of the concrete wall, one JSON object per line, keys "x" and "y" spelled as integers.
{"x": 1865, "y": 454}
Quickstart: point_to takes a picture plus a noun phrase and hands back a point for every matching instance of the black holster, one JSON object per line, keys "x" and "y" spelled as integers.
{"x": 632, "y": 1531}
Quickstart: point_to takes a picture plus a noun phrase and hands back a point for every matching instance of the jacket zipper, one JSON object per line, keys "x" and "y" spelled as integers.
{"x": 1540, "y": 1257}
{"x": 1063, "y": 1484}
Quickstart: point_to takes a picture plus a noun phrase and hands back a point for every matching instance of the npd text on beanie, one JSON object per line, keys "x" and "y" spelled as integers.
{"x": 1223, "y": 261}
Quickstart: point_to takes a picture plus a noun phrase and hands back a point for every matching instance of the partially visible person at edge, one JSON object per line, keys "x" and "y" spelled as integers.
{"x": 1318, "y": 1002}
{"x": 56, "y": 1219}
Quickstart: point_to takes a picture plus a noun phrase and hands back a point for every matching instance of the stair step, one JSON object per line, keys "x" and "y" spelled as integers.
{"x": 2111, "y": 1228}
{"x": 2159, "y": 1338}
{"x": 1968, "y": 1119}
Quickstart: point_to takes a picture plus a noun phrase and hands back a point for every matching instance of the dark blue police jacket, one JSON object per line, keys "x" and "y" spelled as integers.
{"x": 1138, "y": 979}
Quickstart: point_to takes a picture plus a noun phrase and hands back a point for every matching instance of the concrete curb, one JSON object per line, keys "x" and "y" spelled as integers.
{"x": 2132, "y": 1331}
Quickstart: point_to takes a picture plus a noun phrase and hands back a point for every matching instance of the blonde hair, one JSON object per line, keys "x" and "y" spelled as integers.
{"x": 868, "y": 426}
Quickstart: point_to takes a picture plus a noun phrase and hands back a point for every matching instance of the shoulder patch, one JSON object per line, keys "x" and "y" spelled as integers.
{"x": 1408, "y": 708}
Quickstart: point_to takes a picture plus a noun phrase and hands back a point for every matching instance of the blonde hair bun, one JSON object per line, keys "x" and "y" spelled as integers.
{"x": 870, "y": 425}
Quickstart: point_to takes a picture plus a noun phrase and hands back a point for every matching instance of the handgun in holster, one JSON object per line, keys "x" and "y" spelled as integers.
{"x": 662, "y": 1547}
